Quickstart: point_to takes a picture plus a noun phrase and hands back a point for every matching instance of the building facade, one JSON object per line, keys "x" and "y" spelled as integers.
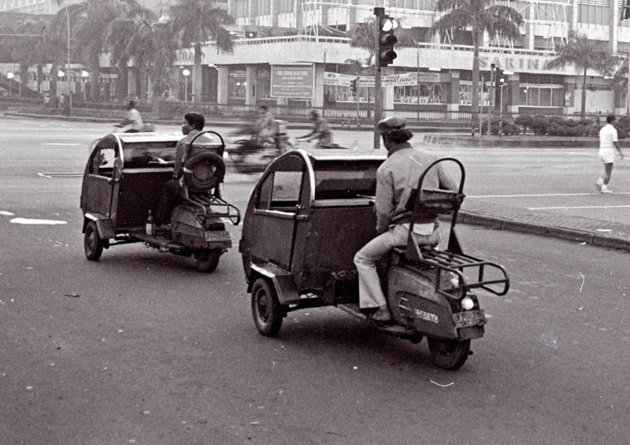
{"x": 433, "y": 75}
{"x": 35, "y": 6}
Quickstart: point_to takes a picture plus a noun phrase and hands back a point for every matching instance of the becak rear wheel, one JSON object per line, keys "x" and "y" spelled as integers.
{"x": 92, "y": 242}
{"x": 449, "y": 354}
{"x": 266, "y": 309}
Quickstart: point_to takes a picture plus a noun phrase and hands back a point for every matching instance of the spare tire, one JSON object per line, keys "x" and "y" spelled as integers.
{"x": 204, "y": 171}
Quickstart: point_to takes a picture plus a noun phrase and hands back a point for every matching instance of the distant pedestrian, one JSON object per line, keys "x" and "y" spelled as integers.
{"x": 608, "y": 147}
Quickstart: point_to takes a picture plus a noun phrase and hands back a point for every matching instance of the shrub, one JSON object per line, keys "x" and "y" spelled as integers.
{"x": 539, "y": 125}
{"x": 525, "y": 120}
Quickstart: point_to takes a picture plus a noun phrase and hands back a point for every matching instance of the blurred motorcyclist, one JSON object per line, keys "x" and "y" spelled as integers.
{"x": 133, "y": 121}
{"x": 321, "y": 131}
{"x": 265, "y": 126}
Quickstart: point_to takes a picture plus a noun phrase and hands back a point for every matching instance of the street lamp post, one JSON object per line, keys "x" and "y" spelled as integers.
{"x": 10, "y": 77}
{"x": 186, "y": 73}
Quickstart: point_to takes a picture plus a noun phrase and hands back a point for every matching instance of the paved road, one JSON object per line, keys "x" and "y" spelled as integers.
{"x": 139, "y": 348}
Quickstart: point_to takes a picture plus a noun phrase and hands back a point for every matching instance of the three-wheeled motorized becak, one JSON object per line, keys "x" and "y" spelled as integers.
{"x": 308, "y": 216}
{"x": 123, "y": 182}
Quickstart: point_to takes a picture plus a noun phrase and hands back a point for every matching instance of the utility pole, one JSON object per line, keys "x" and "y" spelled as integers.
{"x": 68, "y": 64}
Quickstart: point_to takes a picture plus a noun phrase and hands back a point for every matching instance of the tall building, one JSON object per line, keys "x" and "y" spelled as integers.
{"x": 34, "y": 6}
{"x": 435, "y": 75}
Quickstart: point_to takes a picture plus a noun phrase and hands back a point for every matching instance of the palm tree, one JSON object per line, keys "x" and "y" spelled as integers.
{"x": 479, "y": 16}
{"x": 195, "y": 21}
{"x": 584, "y": 54}
{"x": 150, "y": 46}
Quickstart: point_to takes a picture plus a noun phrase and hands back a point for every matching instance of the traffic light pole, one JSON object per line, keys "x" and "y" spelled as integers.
{"x": 378, "y": 106}
{"x": 378, "y": 96}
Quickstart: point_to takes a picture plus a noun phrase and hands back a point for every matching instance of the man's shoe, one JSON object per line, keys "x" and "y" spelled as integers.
{"x": 605, "y": 189}
{"x": 599, "y": 183}
{"x": 381, "y": 315}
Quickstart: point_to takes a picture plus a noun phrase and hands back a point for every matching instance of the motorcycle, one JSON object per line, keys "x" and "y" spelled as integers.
{"x": 251, "y": 155}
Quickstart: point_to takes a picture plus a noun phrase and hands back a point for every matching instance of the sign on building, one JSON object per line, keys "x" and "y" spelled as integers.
{"x": 292, "y": 81}
{"x": 393, "y": 80}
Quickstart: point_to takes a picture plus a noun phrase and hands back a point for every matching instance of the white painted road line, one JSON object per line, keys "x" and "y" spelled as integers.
{"x": 540, "y": 195}
{"x": 579, "y": 207}
{"x": 60, "y": 144}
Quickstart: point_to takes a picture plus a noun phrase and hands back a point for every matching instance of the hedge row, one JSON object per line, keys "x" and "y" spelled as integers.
{"x": 555, "y": 126}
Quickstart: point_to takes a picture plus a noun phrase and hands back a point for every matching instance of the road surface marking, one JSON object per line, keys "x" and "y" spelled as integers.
{"x": 538, "y": 195}
{"x": 5, "y": 213}
{"x": 59, "y": 175}
{"x": 62, "y": 144}
{"x": 579, "y": 207}
{"x": 28, "y": 221}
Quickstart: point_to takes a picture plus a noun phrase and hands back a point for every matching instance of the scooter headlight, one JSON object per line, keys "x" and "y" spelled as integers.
{"x": 467, "y": 303}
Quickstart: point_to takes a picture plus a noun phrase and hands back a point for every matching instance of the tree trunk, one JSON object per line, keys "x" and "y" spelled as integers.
{"x": 53, "y": 85}
{"x": 197, "y": 78}
{"x": 40, "y": 74}
{"x": 23, "y": 77}
{"x": 475, "y": 78}
{"x": 583, "y": 107}
{"x": 123, "y": 81}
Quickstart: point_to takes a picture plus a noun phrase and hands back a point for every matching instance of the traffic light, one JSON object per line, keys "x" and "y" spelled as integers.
{"x": 386, "y": 40}
{"x": 626, "y": 10}
{"x": 354, "y": 86}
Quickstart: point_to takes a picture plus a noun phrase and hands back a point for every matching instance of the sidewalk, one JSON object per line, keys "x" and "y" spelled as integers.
{"x": 574, "y": 228}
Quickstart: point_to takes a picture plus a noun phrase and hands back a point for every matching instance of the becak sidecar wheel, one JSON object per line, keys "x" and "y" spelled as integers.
{"x": 266, "y": 309}
{"x": 92, "y": 242}
{"x": 207, "y": 261}
{"x": 449, "y": 354}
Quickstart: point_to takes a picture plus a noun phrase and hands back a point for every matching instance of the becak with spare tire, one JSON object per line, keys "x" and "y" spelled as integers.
{"x": 160, "y": 189}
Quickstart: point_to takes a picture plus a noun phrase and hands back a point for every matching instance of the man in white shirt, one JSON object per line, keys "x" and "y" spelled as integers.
{"x": 608, "y": 148}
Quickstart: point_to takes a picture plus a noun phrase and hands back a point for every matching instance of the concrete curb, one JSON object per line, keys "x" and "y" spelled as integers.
{"x": 583, "y": 236}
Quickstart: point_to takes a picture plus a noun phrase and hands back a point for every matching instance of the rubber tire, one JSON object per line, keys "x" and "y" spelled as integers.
{"x": 266, "y": 309}
{"x": 208, "y": 157}
{"x": 92, "y": 242}
{"x": 207, "y": 261}
{"x": 449, "y": 354}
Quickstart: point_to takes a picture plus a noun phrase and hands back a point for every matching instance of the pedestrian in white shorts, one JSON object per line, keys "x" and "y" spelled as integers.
{"x": 608, "y": 148}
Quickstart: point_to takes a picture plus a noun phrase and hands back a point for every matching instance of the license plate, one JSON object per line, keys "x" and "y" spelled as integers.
{"x": 469, "y": 318}
{"x": 220, "y": 235}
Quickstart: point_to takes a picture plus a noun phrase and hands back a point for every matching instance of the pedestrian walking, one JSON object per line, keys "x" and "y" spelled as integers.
{"x": 608, "y": 148}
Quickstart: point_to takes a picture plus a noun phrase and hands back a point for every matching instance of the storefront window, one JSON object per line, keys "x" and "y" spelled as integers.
{"x": 237, "y": 83}
{"x": 430, "y": 93}
{"x": 263, "y": 82}
{"x": 465, "y": 94}
{"x": 542, "y": 95}
{"x": 338, "y": 93}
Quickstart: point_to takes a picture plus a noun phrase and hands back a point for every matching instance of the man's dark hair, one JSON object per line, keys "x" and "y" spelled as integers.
{"x": 263, "y": 107}
{"x": 195, "y": 120}
{"x": 610, "y": 118}
{"x": 132, "y": 104}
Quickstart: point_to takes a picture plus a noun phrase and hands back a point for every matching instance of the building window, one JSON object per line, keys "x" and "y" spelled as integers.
{"x": 465, "y": 93}
{"x": 263, "y": 82}
{"x": 338, "y": 93}
{"x": 429, "y": 93}
{"x": 236, "y": 83}
{"x": 541, "y": 95}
